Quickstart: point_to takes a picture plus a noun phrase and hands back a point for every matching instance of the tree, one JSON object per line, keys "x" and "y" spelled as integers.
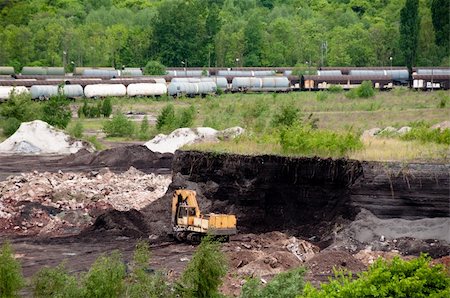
{"x": 154, "y": 68}
{"x": 56, "y": 111}
{"x": 409, "y": 33}
{"x": 441, "y": 22}
{"x": 11, "y": 279}
{"x": 106, "y": 108}
{"x": 203, "y": 274}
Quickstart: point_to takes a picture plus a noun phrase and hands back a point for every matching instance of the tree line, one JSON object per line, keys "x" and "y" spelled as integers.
{"x": 223, "y": 33}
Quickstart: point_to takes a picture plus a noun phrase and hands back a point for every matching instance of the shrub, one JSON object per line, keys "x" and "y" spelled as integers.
{"x": 76, "y": 131}
{"x": 106, "y": 109}
{"x": 321, "y": 96}
{"x": 154, "y": 68}
{"x": 365, "y": 90}
{"x": 287, "y": 116}
{"x": 119, "y": 126}
{"x": 143, "y": 282}
{"x": 19, "y": 106}
{"x": 144, "y": 129}
{"x": 287, "y": 284}
{"x": 11, "y": 280}
{"x": 10, "y": 126}
{"x": 204, "y": 273}
{"x": 428, "y": 135}
{"x": 307, "y": 141}
{"x": 166, "y": 119}
{"x": 106, "y": 277}
{"x": 335, "y": 89}
{"x": 397, "y": 278}
{"x": 56, "y": 111}
{"x": 55, "y": 282}
{"x": 187, "y": 117}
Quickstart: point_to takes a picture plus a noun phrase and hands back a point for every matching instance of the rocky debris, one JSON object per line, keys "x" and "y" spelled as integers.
{"x": 263, "y": 256}
{"x": 184, "y": 136}
{"x": 442, "y": 126}
{"x": 65, "y": 203}
{"x": 387, "y": 131}
{"x": 38, "y": 137}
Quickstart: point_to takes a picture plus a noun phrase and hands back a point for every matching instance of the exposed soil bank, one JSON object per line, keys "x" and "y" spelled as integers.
{"x": 307, "y": 194}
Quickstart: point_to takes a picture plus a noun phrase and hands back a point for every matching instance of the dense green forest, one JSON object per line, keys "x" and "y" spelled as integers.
{"x": 217, "y": 32}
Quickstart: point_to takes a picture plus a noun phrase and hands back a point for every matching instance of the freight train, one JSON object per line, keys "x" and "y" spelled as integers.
{"x": 43, "y": 82}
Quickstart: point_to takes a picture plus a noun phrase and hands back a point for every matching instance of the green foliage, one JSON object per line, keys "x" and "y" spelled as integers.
{"x": 204, "y": 273}
{"x": 409, "y": 32}
{"x": 397, "y": 278}
{"x": 321, "y": 96}
{"x": 19, "y": 106}
{"x": 144, "y": 132}
{"x": 10, "y": 126}
{"x": 287, "y": 116}
{"x": 335, "y": 89}
{"x": 55, "y": 282}
{"x": 106, "y": 109}
{"x": 95, "y": 142}
{"x": 76, "y": 130}
{"x": 425, "y": 134}
{"x": 11, "y": 280}
{"x": 119, "y": 126}
{"x": 142, "y": 282}
{"x": 106, "y": 277}
{"x": 56, "y": 111}
{"x": 168, "y": 120}
{"x": 154, "y": 68}
{"x": 287, "y": 284}
{"x": 365, "y": 90}
{"x": 307, "y": 141}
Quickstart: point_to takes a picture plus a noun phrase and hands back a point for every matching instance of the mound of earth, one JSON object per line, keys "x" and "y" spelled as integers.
{"x": 122, "y": 158}
{"x": 38, "y": 137}
{"x": 185, "y": 136}
{"x": 59, "y": 204}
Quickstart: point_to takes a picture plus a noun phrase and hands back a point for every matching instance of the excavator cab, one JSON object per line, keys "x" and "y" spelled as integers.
{"x": 189, "y": 224}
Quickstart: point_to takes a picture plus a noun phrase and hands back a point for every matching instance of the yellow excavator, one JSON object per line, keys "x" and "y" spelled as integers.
{"x": 190, "y": 225}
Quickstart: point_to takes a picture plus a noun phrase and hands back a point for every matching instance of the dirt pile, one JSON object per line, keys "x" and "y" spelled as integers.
{"x": 65, "y": 203}
{"x": 121, "y": 158}
{"x": 185, "y": 136}
{"x": 38, "y": 137}
{"x": 263, "y": 256}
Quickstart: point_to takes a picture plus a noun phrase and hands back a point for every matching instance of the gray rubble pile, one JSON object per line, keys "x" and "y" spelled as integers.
{"x": 65, "y": 203}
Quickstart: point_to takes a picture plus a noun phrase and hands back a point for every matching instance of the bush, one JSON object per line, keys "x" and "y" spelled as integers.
{"x": 398, "y": 278}
{"x": 56, "y": 111}
{"x": 10, "y": 126}
{"x": 187, "y": 117}
{"x": 76, "y": 131}
{"x": 119, "y": 126}
{"x": 425, "y": 134}
{"x": 287, "y": 284}
{"x": 106, "y": 109}
{"x": 143, "y": 282}
{"x": 154, "y": 68}
{"x": 144, "y": 129}
{"x": 365, "y": 90}
{"x": 321, "y": 96}
{"x": 306, "y": 141}
{"x": 19, "y": 106}
{"x": 11, "y": 280}
{"x": 287, "y": 116}
{"x": 335, "y": 89}
{"x": 204, "y": 273}
{"x": 106, "y": 277}
{"x": 55, "y": 282}
{"x": 166, "y": 119}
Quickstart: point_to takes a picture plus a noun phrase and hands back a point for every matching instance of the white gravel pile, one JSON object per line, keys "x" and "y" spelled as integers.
{"x": 184, "y": 136}
{"x": 38, "y": 137}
